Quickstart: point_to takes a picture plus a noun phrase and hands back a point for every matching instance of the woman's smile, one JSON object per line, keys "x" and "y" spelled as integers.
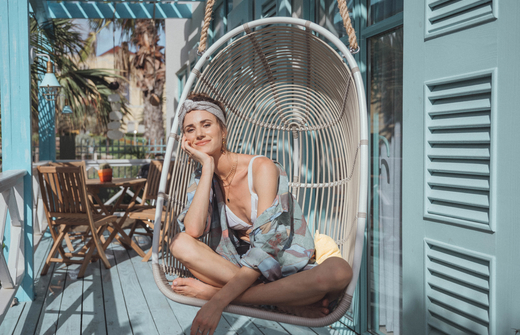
{"x": 201, "y": 143}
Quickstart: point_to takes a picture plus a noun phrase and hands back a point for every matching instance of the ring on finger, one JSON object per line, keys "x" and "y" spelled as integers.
{"x": 200, "y": 331}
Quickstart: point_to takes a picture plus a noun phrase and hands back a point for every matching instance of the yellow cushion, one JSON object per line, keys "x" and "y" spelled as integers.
{"x": 325, "y": 247}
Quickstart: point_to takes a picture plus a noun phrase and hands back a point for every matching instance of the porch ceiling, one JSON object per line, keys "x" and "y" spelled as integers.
{"x": 104, "y": 9}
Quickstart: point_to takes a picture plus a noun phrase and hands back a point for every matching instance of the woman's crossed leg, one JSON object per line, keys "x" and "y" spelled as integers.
{"x": 305, "y": 293}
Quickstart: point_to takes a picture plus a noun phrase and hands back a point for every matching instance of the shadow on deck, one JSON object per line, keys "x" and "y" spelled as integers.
{"x": 121, "y": 300}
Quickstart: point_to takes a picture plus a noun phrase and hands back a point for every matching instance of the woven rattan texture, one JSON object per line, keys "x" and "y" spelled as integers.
{"x": 291, "y": 97}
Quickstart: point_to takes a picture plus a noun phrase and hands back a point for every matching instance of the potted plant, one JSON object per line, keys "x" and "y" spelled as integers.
{"x": 105, "y": 173}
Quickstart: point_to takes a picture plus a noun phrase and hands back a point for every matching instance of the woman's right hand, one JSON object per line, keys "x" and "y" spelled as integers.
{"x": 195, "y": 154}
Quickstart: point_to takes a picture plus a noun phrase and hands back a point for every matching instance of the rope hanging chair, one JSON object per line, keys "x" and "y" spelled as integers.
{"x": 291, "y": 97}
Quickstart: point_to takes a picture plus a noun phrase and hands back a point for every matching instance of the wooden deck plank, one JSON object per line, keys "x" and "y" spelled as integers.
{"x": 241, "y": 324}
{"x": 31, "y": 313}
{"x": 324, "y": 330}
{"x": 17, "y": 315}
{"x": 269, "y": 327}
{"x": 53, "y": 294}
{"x": 12, "y": 318}
{"x": 116, "y": 316}
{"x": 139, "y": 315}
{"x": 293, "y": 329}
{"x": 163, "y": 315}
{"x": 185, "y": 315}
{"x": 93, "y": 311}
{"x": 69, "y": 321}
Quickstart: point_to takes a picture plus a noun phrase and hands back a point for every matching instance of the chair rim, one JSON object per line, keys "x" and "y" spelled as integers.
{"x": 363, "y": 156}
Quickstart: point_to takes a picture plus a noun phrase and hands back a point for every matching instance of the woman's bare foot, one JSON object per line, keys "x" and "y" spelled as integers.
{"x": 193, "y": 288}
{"x": 316, "y": 310}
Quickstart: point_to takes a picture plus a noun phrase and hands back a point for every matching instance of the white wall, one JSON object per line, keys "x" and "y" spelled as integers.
{"x": 182, "y": 35}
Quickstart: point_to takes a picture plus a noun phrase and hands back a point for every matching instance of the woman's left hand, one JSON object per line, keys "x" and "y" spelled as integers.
{"x": 206, "y": 320}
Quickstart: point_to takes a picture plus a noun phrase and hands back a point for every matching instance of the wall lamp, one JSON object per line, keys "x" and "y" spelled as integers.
{"x": 49, "y": 84}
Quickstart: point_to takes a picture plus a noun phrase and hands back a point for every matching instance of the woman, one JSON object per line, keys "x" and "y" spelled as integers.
{"x": 258, "y": 239}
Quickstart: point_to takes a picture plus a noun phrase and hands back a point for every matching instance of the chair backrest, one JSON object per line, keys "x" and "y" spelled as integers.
{"x": 72, "y": 164}
{"x": 289, "y": 96}
{"x": 152, "y": 181}
{"x": 151, "y": 190}
{"x": 63, "y": 191}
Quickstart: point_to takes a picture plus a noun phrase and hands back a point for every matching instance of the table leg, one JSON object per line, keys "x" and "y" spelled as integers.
{"x": 100, "y": 203}
{"x": 123, "y": 238}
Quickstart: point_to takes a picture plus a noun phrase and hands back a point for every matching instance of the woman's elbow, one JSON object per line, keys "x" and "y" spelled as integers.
{"x": 194, "y": 232}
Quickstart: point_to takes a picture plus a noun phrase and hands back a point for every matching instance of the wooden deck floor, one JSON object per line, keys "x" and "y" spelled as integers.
{"x": 121, "y": 300}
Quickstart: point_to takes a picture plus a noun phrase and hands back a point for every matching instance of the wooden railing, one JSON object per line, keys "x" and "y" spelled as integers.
{"x": 12, "y": 270}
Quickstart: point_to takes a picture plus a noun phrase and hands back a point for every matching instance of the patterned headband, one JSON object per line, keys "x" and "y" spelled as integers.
{"x": 209, "y": 107}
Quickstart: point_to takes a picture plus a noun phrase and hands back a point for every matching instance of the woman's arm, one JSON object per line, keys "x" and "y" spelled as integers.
{"x": 196, "y": 217}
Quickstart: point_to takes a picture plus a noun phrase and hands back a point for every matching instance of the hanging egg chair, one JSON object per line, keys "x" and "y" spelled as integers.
{"x": 290, "y": 96}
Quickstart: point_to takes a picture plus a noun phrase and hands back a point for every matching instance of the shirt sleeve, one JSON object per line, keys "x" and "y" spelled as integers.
{"x": 192, "y": 188}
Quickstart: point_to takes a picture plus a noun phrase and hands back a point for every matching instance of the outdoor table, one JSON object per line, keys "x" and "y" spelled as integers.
{"x": 93, "y": 187}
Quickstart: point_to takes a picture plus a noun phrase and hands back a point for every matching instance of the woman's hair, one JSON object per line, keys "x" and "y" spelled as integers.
{"x": 204, "y": 97}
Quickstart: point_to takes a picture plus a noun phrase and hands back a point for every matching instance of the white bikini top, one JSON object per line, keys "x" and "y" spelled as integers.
{"x": 233, "y": 221}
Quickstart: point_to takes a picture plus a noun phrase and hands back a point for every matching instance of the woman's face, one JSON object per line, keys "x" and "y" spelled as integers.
{"x": 203, "y": 132}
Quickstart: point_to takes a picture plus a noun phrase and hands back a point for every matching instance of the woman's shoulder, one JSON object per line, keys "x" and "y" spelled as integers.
{"x": 264, "y": 166}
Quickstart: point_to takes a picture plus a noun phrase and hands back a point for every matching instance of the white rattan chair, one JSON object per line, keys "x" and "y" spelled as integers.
{"x": 291, "y": 97}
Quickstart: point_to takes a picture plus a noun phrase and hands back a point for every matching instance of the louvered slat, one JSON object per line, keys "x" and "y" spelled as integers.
{"x": 460, "y": 137}
{"x": 464, "y": 182}
{"x": 475, "y": 168}
{"x": 448, "y": 16}
{"x": 459, "y": 152}
{"x": 457, "y": 90}
{"x": 466, "y": 213}
{"x": 437, "y": 266}
{"x": 454, "y": 8}
{"x": 454, "y": 122}
{"x": 462, "y": 321}
{"x": 461, "y": 106}
{"x": 458, "y": 289}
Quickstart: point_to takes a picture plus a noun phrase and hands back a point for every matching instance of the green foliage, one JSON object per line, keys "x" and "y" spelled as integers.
{"x": 84, "y": 90}
{"x": 104, "y": 166}
{"x": 136, "y": 151}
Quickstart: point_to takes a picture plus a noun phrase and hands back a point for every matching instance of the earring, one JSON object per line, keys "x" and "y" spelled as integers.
{"x": 223, "y": 148}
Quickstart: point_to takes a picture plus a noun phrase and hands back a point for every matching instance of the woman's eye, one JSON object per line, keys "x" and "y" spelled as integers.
{"x": 207, "y": 125}
{"x": 189, "y": 130}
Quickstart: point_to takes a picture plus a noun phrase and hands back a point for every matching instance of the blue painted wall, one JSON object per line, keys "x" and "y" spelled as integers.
{"x": 461, "y": 262}
{"x": 16, "y": 115}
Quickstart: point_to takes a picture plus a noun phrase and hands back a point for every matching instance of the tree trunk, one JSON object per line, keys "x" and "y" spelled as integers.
{"x": 153, "y": 117}
{"x": 150, "y": 69}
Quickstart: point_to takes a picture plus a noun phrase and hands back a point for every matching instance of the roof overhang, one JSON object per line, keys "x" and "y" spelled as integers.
{"x": 103, "y": 9}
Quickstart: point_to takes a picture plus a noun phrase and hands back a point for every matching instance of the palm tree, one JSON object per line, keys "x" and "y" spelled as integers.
{"x": 147, "y": 65}
{"x": 85, "y": 90}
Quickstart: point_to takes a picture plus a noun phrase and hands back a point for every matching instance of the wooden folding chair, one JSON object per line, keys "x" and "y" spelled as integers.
{"x": 144, "y": 214}
{"x": 67, "y": 207}
{"x": 74, "y": 233}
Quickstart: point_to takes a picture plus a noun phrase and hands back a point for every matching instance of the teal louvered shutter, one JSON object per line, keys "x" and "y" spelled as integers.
{"x": 460, "y": 180}
{"x": 241, "y": 13}
{"x": 270, "y": 8}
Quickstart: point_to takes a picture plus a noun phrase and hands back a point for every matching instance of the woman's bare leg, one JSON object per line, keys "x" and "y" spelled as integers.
{"x": 304, "y": 288}
{"x": 202, "y": 261}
